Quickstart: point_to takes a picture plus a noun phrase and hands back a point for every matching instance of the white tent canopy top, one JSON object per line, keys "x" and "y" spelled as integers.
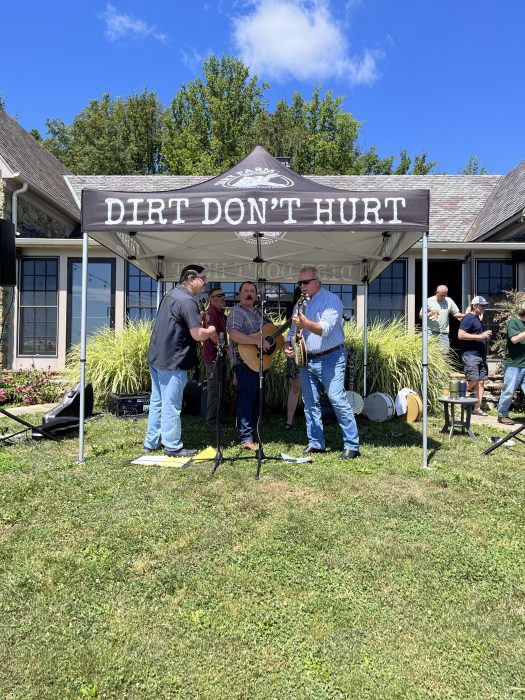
{"x": 258, "y": 217}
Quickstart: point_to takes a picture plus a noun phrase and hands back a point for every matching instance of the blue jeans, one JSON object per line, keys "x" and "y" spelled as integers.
{"x": 247, "y": 402}
{"x": 164, "y": 426}
{"x": 327, "y": 371}
{"x": 514, "y": 377}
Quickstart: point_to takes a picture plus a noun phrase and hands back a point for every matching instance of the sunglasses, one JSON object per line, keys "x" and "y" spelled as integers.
{"x": 301, "y": 282}
{"x": 218, "y": 296}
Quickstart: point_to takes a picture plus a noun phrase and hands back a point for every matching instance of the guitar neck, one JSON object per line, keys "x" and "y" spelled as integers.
{"x": 279, "y": 331}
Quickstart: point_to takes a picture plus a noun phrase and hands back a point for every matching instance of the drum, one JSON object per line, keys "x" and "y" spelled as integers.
{"x": 379, "y": 407}
{"x": 414, "y": 408}
{"x": 355, "y": 401}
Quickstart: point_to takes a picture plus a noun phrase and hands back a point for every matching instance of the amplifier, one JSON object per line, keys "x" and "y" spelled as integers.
{"x": 129, "y": 405}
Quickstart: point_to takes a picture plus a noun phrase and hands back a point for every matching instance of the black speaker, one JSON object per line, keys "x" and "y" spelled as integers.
{"x": 7, "y": 254}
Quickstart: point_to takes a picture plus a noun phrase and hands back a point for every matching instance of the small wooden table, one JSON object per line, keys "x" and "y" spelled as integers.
{"x": 467, "y": 405}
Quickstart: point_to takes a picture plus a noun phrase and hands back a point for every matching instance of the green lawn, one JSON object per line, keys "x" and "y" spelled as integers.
{"x": 360, "y": 579}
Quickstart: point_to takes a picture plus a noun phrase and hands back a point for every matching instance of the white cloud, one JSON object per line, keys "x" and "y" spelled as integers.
{"x": 122, "y": 26}
{"x": 302, "y": 40}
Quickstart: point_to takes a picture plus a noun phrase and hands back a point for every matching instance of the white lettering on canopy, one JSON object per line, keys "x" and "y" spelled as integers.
{"x": 394, "y": 201}
{"x": 252, "y": 211}
{"x": 230, "y": 203}
{"x": 134, "y": 221}
{"x": 156, "y": 206}
{"x": 372, "y": 206}
{"x": 254, "y": 208}
{"x": 178, "y": 203}
{"x": 326, "y": 210}
{"x": 110, "y": 201}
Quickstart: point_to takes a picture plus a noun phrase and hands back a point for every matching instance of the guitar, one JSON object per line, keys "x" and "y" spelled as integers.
{"x": 298, "y": 343}
{"x": 274, "y": 335}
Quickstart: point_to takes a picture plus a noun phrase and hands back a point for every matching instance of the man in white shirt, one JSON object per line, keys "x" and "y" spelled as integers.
{"x": 322, "y": 328}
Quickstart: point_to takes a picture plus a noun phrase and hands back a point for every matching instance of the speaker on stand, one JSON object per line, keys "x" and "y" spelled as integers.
{"x": 7, "y": 254}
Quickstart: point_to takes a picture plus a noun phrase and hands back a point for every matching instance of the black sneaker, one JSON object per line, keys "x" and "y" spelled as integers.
{"x": 180, "y": 453}
{"x": 149, "y": 450}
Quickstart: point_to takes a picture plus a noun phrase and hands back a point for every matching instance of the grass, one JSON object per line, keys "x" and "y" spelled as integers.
{"x": 364, "y": 579}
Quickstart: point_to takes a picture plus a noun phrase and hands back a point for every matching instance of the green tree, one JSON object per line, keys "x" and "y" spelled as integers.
{"x": 320, "y": 138}
{"x": 210, "y": 123}
{"x": 111, "y": 137}
{"x": 472, "y": 167}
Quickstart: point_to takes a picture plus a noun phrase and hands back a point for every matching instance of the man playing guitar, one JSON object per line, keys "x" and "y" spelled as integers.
{"x": 322, "y": 330}
{"x": 243, "y": 324}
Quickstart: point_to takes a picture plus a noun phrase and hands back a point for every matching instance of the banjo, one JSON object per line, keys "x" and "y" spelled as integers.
{"x": 354, "y": 399}
{"x": 298, "y": 342}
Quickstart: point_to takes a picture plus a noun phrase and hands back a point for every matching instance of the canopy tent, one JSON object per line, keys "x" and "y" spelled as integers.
{"x": 258, "y": 220}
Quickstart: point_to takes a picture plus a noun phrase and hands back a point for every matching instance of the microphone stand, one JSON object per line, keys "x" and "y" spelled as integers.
{"x": 218, "y": 366}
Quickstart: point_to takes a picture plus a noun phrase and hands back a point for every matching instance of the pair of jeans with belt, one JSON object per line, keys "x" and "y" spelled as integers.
{"x": 514, "y": 377}
{"x": 164, "y": 424}
{"x": 327, "y": 371}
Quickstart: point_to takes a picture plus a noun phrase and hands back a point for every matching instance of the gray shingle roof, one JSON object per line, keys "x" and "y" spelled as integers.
{"x": 35, "y": 164}
{"x": 506, "y": 200}
{"x": 455, "y": 200}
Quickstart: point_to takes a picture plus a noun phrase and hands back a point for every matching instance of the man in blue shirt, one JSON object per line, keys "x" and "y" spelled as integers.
{"x": 172, "y": 352}
{"x": 474, "y": 350}
{"x": 322, "y": 330}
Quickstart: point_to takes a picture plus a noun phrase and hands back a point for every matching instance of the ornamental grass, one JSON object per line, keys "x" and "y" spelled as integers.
{"x": 116, "y": 362}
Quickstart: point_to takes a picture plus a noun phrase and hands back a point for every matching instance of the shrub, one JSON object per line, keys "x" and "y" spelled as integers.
{"x": 28, "y": 386}
{"x": 116, "y": 362}
{"x": 506, "y": 309}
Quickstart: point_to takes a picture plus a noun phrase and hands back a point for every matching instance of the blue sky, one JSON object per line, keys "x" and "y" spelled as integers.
{"x": 446, "y": 77}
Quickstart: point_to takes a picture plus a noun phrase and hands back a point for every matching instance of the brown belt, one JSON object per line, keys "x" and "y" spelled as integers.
{"x": 325, "y": 352}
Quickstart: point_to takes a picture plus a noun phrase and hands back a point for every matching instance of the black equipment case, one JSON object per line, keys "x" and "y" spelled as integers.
{"x": 129, "y": 405}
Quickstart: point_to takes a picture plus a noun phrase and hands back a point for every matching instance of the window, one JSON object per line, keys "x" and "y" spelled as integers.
{"x": 141, "y": 301}
{"x": 493, "y": 277}
{"x": 38, "y": 306}
{"x": 387, "y": 293}
{"x": 279, "y": 295}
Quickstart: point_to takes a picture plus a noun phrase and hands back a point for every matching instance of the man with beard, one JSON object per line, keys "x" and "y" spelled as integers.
{"x": 244, "y": 324}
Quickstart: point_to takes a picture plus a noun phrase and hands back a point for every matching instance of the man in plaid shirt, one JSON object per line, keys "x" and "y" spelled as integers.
{"x": 243, "y": 326}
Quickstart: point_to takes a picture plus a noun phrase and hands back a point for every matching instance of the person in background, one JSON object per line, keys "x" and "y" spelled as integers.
{"x": 514, "y": 364}
{"x": 439, "y": 307}
{"x": 215, "y": 371}
{"x": 245, "y": 320}
{"x": 172, "y": 352}
{"x": 323, "y": 333}
{"x": 474, "y": 350}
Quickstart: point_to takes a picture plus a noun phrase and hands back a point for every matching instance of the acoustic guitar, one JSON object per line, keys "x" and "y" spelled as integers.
{"x": 298, "y": 342}
{"x": 274, "y": 335}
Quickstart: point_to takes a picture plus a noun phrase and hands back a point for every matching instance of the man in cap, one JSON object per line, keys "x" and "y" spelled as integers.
{"x": 439, "y": 307}
{"x": 474, "y": 350}
{"x": 514, "y": 364}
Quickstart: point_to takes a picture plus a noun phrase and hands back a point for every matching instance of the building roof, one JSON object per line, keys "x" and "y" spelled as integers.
{"x": 507, "y": 200}
{"x": 35, "y": 164}
{"x": 455, "y": 200}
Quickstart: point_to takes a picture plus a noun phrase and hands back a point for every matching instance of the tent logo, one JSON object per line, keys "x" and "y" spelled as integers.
{"x": 267, "y": 237}
{"x": 256, "y": 178}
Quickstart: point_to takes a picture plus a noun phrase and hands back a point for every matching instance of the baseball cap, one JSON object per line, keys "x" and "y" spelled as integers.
{"x": 480, "y": 300}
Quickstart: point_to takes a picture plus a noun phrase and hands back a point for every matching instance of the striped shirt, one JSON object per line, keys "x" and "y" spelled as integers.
{"x": 325, "y": 308}
{"x": 245, "y": 321}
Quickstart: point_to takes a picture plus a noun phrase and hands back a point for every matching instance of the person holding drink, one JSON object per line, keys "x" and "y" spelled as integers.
{"x": 474, "y": 350}
{"x": 438, "y": 309}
